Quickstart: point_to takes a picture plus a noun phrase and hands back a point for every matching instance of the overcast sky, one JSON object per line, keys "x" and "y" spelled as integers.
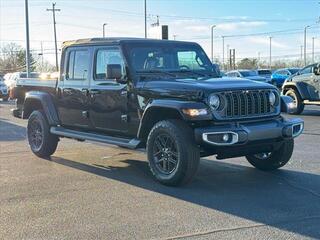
{"x": 187, "y": 19}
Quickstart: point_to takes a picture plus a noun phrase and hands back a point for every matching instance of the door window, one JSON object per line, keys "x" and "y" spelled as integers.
{"x": 78, "y": 65}
{"x": 105, "y": 57}
{"x": 306, "y": 70}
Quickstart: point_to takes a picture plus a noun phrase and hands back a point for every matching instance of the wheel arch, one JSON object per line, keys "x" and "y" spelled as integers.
{"x": 40, "y": 101}
{"x": 300, "y": 87}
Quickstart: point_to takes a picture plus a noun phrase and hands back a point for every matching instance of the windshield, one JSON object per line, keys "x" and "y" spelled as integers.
{"x": 171, "y": 58}
{"x": 248, "y": 73}
{"x": 294, "y": 70}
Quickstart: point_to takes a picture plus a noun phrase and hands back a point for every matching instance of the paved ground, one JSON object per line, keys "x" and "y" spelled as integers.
{"x": 90, "y": 191}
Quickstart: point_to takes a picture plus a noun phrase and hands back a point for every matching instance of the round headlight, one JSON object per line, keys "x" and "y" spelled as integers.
{"x": 272, "y": 98}
{"x": 214, "y": 101}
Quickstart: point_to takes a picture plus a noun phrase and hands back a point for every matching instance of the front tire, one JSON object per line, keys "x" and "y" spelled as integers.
{"x": 297, "y": 101}
{"x": 172, "y": 152}
{"x": 41, "y": 141}
{"x": 273, "y": 160}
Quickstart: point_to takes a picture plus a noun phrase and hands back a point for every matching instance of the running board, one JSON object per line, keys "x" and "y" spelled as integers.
{"x": 122, "y": 142}
{"x": 307, "y": 102}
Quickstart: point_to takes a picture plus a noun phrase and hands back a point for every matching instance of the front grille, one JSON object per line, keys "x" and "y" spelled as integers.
{"x": 246, "y": 104}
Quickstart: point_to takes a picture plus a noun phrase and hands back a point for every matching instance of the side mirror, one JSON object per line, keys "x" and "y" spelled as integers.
{"x": 114, "y": 71}
{"x": 287, "y": 105}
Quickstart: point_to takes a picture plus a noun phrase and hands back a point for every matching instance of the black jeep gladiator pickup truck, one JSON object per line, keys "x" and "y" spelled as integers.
{"x": 161, "y": 95}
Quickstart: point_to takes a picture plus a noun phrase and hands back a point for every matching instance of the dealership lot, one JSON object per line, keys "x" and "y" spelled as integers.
{"x": 89, "y": 191}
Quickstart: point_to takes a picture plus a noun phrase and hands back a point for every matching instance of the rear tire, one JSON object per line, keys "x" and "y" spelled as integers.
{"x": 297, "y": 100}
{"x": 273, "y": 160}
{"x": 41, "y": 141}
{"x": 172, "y": 152}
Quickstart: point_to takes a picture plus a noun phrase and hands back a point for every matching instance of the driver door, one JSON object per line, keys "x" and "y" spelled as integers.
{"x": 108, "y": 98}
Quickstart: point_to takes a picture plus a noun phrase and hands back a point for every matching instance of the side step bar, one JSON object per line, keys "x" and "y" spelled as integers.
{"x": 122, "y": 142}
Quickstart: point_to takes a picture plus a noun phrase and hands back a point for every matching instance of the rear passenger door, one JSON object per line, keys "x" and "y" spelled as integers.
{"x": 108, "y": 98}
{"x": 73, "y": 102}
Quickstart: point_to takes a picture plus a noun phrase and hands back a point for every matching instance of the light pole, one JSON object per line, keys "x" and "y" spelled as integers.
{"x": 270, "y": 52}
{"x": 27, "y": 40}
{"x": 313, "y": 49}
{"x": 145, "y": 19}
{"x": 103, "y": 29}
{"x": 305, "y": 45}
{"x": 175, "y": 36}
{"x": 301, "y": 54}
{"x": 223, "y": 51}
{"x": 212, "y": 27}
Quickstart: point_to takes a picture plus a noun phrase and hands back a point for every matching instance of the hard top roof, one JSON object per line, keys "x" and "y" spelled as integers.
{"x": 115, "y": 40}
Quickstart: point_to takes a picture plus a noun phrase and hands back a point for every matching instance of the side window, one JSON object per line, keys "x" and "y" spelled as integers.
{"x": 306, "y": 70}
{"x": 105, "y": 57}
{"x": 78, "y": 65}
{"x": 190, "y": 60}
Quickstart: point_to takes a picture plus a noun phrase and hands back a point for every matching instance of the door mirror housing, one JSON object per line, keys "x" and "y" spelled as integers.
{"x": 114, "y": 71}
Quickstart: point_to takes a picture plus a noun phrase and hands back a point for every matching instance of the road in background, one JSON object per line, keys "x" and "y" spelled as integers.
{"x": 90, "y": 191}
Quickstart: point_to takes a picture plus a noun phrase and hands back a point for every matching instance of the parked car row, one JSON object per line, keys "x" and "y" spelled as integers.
{"x": 276, "y": 78}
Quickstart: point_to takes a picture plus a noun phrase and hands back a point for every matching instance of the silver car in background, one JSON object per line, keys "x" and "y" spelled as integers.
{"x": 247, "y": 74}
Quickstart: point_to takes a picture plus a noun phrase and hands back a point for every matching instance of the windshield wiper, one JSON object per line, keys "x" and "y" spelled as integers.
{"x": 157, "y": 71}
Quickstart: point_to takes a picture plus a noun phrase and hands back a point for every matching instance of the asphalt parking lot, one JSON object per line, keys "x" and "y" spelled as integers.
{"x": 90, "y": 191}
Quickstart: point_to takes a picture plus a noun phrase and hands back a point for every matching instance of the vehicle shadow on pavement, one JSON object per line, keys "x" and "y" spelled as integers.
{"x": 10, "y": 131}
{"x": 310, "y": 113}
{"x": 269, "y": 199}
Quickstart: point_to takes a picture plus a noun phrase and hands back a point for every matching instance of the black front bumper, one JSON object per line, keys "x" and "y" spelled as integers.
{"x": 239, "y": 139}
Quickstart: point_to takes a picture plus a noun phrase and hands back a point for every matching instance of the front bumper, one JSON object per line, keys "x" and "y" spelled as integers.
{"x": 238, "y": 134}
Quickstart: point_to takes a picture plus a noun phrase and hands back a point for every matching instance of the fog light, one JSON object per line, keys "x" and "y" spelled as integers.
{"x": 225, "y": 137}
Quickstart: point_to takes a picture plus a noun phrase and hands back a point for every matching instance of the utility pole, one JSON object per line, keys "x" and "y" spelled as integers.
{"x": 305, "y": 46}
{"x": 53, "y": 10}
{"x": 27, "y": 40}
{"x": 222, "y": 52}
{"x": 103, "y": 30}
{"x": 313, "y": 49}
{"x": 212, "y": 27}
{"x": 270, "y": 52}
{"x": 145, "y": 19}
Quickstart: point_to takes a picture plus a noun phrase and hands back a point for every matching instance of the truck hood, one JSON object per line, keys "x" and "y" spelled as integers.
{"x": 195, "y": 89}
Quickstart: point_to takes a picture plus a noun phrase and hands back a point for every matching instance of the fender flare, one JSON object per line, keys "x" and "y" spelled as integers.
{"x": 301, "y": 87}
{"x": 47, "y": 104}
{"x": 168, "y": 107}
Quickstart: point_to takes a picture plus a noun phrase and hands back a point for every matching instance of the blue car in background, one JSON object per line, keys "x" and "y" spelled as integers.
{"x": 279, "y": 76}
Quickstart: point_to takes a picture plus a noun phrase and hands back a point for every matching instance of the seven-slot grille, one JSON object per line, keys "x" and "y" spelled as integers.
{"x": 244, "y": 104}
